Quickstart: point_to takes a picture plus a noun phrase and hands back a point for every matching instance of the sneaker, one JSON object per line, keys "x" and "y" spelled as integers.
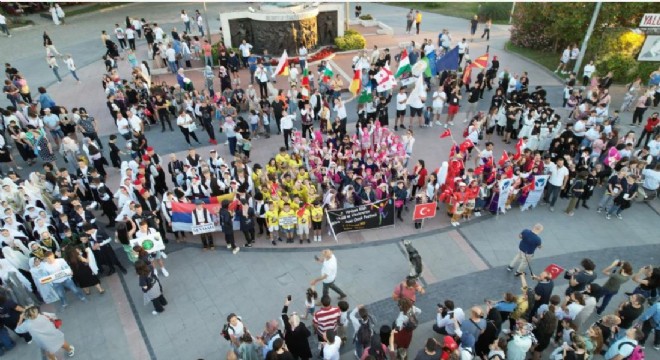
{"x": 165, "y": 272}
{"x": 451, "y": 123}
{"x": 154, "y": 313}
{"x": 228, "y": 246}
{"x": 552, "y": 208}
{"x": 657, "y": 347}
{"x": 72, "y": 352}
{"x": 608, "y": 216}
{"x": 274, "y": 243}
{"x": 446, "y": 126}
{"x": 236, "y": 250}
{"x": 248, "y": 245}
{"x": 509, "y": 268}
{"x": 619, "y": 216}
{"x": 599, "y": 210}
{"x": 437, "y": 122}
{"x": 518, "y": 273}
{"x": 403, "y": 127}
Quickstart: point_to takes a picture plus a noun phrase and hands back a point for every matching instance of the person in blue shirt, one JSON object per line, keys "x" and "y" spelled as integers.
{"x": 252, "y": 65}
{"x": 529, "y": 242}
{"x": 651, "y": 321}
{"x": 623, "y": 347}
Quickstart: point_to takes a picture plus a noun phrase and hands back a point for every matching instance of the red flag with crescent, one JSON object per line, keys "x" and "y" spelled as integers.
{"x": 554, "y": 270}
{"x": 446, "y": 133}
{"x": 504, "y": 158}
{"x": 424, "y": 211}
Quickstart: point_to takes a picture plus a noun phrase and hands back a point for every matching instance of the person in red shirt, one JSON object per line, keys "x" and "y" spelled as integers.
{"x": 649, "y": 129}
{"x": 408, "y": 289}
{"x": 420, "y": 172}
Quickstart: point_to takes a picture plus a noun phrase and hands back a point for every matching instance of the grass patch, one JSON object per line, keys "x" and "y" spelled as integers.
{"x": 92, "y": 8}
{"x": 16, "y": 22}
{"x": 549, "y": 60}
{"x": 498, "y": 11}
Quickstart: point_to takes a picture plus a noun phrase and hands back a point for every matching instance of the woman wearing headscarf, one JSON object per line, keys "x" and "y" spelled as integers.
{"x": 225, "y": 79}
{"x": 44, "y": 332}
{"x": 19, "y": 286}
{"x": 296, "y": 334}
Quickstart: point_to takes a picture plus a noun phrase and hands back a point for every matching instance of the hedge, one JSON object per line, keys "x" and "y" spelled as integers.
{"x": 352, "y": 40}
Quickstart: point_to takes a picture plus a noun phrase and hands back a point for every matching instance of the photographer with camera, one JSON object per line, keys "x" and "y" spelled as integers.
{"x": 444, "y": 323}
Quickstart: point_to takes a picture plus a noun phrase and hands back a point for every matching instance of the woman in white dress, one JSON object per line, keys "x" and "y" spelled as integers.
{"x": 47, "y": 292}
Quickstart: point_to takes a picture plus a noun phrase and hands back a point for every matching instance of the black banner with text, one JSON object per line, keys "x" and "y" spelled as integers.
{"x": 363, "y": 217}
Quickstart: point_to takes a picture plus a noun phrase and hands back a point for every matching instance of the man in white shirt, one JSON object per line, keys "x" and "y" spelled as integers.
{"x": 200, "y": 24}
{"x": 439, "y": 99}
{"x": 170, "y": 53}
{"x": 245, "y": 48}
{"x": 135, "y": 122}
{"x": 3, "y": 25}
{"x": 121, "y": 36}
{"x": 201, "y": 216}
{"x": 401, "y": 99}
{"x": 588, "y": 70}
{"x": 463, "y": 49}
{"x": 557, "y": 181}
{"x": 286, "y": 124}
{"x": 137, "y": 25}
{"x": 123, "y": 126}
{"x": 186, "y": 20}
{"x": 331, "y": 345}
{"x": 261, "y": 75}
{"x": 328, "y": 273}
{"x": 158, "y": 33}
{"x": 416, "y": 109}
{"x": 53, "y": 266}
{"x": 302, "y": 56}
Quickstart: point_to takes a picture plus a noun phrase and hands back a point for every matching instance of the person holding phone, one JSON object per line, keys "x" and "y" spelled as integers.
{"x": 618, "y": 273}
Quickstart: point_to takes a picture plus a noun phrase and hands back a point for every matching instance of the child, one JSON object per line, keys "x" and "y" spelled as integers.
{"x": 265, "y": 121}
{"x": 114, "y": 151}
{"x": 247, "y": 146}
{"x": 272, "y": 220}
{"x": 343, "y": 320}
{"x": 428, "y": 116}
{"x": 317, "y": 219}
{"x": 254, "y": 122}
{"x": 310, "y": 302}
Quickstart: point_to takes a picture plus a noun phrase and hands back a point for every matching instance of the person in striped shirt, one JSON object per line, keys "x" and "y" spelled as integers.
{"x": 326, "y": 318}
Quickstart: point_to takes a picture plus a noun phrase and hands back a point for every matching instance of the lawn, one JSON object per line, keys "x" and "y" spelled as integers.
{"x": 548, "y": 60}
{"x": 498, "y": 11}
{"x": 16, "y": 22}
{"x": 79, "y": 10}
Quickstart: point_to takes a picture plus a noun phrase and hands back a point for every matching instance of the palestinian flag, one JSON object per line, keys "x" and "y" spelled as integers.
{"x": 282, "y": 66}
{"x": 404, "y": 65}
{"x": 327, "y": 74}
{"x": 365, "y": 97}
{"x": 356, "y": 84}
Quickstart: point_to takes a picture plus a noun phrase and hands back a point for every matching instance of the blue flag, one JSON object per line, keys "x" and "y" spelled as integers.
{"x": 432, "y": 60}
{"x": 448, "y": 62}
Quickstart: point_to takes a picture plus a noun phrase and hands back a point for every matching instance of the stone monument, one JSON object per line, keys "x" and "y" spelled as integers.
{"x": 284, "y": 26}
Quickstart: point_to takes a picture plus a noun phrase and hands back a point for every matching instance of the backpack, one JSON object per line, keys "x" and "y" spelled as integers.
{"x": 364, "y": 333}
{"x": 648, "y": 101}
{"x": 411, "y": 324}
{"x": 225, "y": 331}
{"x": 637, "y": 353}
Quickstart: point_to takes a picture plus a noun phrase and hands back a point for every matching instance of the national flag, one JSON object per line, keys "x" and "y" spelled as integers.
{"x": 356, "y": 84}
{"x": 424, "y": 211}
{"x": 519, "y": 148}
{"x": 427, "y": 69}
{"x": 446, "y": 133}
{"x": 384, "y": 79}
{"x": 301, "y": 211}
{"x": 455, "y": 149}
{"x": 467, "y": 74}
{"x": 479, "y": 170}
{"x": 327, "y": 74}
{"x": 182, "y": 213}
{"x": 282, "y": 66}
{"x": 365, "y": 97}
{"x": 554, "y": 270}
{"x": 448, "y": 62}
{"x": 532, "y": 185}
{"x": 404, "y": 65}
{"x": 465, "y": 145}
{"x": 481, "y": 62}
{"x": 432, "y": 59}
{"x": 504, "y": 158}
{"x": 509, "y": 172}
{"x": 418, "y": 94}
{"x": 305, "y": 77}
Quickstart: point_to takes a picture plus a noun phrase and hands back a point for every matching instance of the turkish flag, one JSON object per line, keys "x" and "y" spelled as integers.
{"x": 504, "y": 158}
{"x": 554, "y": 270}
{"x": 465, "y": 145}
{"x": 423, "y": 211}
{"x": 446, "y": 133}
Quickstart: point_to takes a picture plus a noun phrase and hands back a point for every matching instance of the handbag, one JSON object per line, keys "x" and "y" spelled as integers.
{"x": 192, "y": 127}
{"x": 56, "y": 322}
{"x": 398, "y": 203}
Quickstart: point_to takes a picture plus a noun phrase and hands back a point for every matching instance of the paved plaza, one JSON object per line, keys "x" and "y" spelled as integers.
{"x": 466, "y": 263}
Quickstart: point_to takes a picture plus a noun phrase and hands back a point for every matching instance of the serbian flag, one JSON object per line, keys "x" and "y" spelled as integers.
{"x": 446, "y": 133}
{"x": 504, "y": 158}
{"x": 327, "y": 74}
{"x": 481, "y": 62}
{"x": 182, "y": 213}
{"x": 282, "y": 66}
{"x": 356, "y": 84}
{"x": 554, "y": 270}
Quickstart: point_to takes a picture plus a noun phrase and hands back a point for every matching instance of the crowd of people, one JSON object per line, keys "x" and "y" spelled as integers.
{"x": 50, "y": 229}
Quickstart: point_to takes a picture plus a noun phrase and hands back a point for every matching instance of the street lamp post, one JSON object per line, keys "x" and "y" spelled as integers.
{"x": 585, "y": 42}
{"x": 206, "y": 23}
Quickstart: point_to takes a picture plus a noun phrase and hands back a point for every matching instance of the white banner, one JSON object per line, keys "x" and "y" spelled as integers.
{"x": 150, "y": 243}
{"x": 535, "y": 195}
{"x": 288, "y": 220}
{"x": 56, "y": 276}
{"x": 650, "y": 21}
{"x": 505, "y": 189}
{"x": 203, "y": 229}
